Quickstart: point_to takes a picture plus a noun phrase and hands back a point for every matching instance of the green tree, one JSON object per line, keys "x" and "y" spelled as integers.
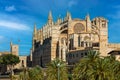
{"x": 114, "y": 66}
{"x": 24, "y": 75}
{"x": 101, "y": 70}
{"x": 93, "y": 67}
{"x": 10, "y": 60}
{"x": 81, "y": 69}
{"x": 57, "y": 70}
{"x": 34, "y": 73}
{"x": 116, "y": 70}
{"x": 1, "y": 60}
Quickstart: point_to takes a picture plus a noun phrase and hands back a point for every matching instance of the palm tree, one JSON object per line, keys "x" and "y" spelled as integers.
{"x": 92, "y": 56}
{"x": 36, "y": 73}
{"x": 31, "y": 74}
{"x": 81, "y": 69}
{"x": 114, "y": 65}
{"x": 101, "y": 71}
{"x": 24, "y": 75}
{"x": 92, "y": 67}
{"x": 57, "y": 70}
{"x": 116, "y": 70}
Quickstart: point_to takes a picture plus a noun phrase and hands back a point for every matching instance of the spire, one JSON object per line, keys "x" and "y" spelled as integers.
{"x": 50, "y": 15}
{"x": 88, "y": 23}
{"x": 35, "y": 31}
{"x": 50, "y": 19}
{"x": 88, "y": 17}
{"x": 58, "y": 20}
{"x": 68, "y": 16}
{"x": 34, "y": 36}
{"x": 10, "y": 43}
{"x": 10, "y": 46}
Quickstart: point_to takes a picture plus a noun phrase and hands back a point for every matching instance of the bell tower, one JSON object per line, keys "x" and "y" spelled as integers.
{"x": 14, "y": 49}
{"x": 102, "y": 24}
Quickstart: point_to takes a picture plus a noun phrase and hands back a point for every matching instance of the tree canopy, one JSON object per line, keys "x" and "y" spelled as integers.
{"x": 90, "y": 67}
{"x": 34, "y": 73}
{"x": 93, "y": 67}
{"x": 57, "y": 68}
{"x": 9, "y": 59}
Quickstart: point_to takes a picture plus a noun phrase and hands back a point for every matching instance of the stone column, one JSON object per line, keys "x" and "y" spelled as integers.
{"x": 64, "y": 51}
{"x": 90, "y": 44}
{"x": 64, "y": 54}
{"x": 84, "y": 44}
{"x": 87, "y": 44}
{"x": 59, "y": 49}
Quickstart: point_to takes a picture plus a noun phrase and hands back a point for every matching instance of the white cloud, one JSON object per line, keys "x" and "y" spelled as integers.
{"x": 13, "y": 25}
{"x": 72, "y": 3}
{"x": 10, "y": 8}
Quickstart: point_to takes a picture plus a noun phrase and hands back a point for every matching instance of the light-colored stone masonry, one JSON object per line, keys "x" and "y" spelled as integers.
{"x": 70, "y": 39}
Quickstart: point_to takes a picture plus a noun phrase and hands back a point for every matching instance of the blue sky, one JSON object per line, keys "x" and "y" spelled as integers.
{"x": 17, "y": 18}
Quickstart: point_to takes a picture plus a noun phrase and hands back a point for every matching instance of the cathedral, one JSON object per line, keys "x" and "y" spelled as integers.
{"x": 70, "y": 39}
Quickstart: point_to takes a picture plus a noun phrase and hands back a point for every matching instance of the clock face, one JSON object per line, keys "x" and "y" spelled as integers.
{"x": 79, "y": 28}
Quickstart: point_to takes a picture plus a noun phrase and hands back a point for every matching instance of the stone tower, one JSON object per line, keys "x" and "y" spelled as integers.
{"x": 14, "y": 49}
{"x": 102, "y": 25}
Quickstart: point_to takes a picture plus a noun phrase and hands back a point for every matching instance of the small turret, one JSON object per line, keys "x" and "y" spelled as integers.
{"x": 34, "y": 37}
{"x": 50, "y": 19}
{"x": 87, "y": 17}
{"x": 88, "y": 23}
{"x": 35, "y": 32}
{"x": 10, "y": 43}
{"x": 68, "y": 16}
{"x": 11, "y": 46}
{"x": 59, "y": 20}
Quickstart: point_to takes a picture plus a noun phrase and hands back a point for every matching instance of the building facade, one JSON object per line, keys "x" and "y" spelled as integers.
{"x": 70, "y": 39}
{"x": 14, "y": 49}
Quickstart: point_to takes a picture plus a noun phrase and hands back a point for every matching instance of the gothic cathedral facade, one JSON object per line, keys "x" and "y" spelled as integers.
{"x": 70, "y": 39}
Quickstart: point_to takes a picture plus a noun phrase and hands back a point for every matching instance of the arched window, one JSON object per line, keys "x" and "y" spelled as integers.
{"x": 71, "y": 44}
{"x": 82, "y": 44}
